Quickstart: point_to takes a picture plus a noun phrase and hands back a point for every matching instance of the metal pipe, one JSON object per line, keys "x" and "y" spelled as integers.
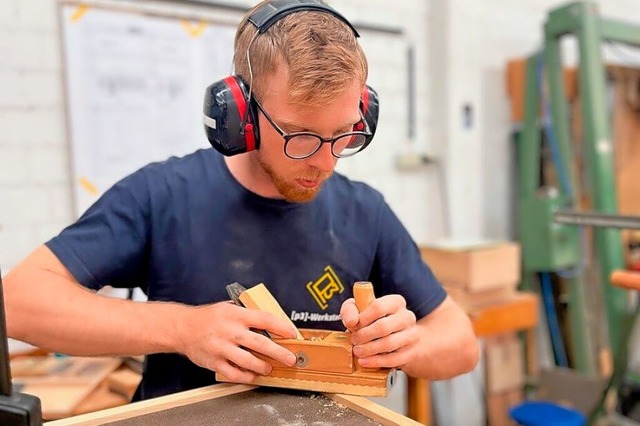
{"x": 597, "y": 219}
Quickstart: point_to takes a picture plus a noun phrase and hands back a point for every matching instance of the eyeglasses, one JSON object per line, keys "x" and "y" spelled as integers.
{"x": 299, "y": 145}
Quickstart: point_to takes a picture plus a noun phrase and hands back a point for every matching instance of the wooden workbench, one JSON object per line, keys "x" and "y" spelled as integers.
{"x": 234, "y": 404}
{"x": 519, "y": 313}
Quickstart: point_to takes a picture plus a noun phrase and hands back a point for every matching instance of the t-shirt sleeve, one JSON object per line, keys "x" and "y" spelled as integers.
{"x": 108, "y": 244}
{"x": 400, "y": 269}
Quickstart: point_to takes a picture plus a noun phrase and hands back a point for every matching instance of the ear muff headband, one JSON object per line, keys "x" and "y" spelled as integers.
{"x": 275, "y": 10}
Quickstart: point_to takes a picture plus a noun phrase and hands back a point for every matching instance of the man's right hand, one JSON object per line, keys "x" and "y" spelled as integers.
{"x": 219, "y": 337}
{"x": 46, "y": 307}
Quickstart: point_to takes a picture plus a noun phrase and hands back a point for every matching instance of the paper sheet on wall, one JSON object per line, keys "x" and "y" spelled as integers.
{"x": 135, "y": 86}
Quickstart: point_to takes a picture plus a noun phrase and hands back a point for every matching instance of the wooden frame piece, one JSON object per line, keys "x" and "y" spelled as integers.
{"x": 361, "y": 405}
{"x": 368, "y": 408}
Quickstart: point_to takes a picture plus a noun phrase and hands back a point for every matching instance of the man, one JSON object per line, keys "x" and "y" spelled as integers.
{"x": 185, "y": 228}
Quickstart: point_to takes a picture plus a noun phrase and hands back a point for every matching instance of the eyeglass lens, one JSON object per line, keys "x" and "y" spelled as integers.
{"x": 301, "y": 146}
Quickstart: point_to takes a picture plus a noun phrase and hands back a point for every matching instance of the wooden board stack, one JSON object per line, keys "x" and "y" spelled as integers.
{"x": 64, "y": 384}
{"x": 483, "y": 278}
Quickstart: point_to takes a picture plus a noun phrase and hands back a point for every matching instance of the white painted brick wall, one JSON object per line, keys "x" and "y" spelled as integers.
{"x": 33, "y": 150}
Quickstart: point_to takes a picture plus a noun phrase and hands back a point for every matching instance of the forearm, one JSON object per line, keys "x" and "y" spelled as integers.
{"x": 446, "y": 346}
{"x": 48, "y": 309}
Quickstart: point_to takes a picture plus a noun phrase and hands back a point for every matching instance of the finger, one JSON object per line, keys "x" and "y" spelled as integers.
{"x": 349, "y": 313}
{"x": 234, "y": 374}
{"x": 272, "y": 323}
{"x": 389, "y": 360}
{"x": 381, "y": 307}
{"x": 245, "y": 360}
{"x": 267, "y": 347}
{"x": 391, "y": 343}
{"x": 384, "y": 327}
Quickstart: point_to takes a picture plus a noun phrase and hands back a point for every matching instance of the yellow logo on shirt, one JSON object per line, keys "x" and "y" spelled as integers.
{"x": 325, "y": 287}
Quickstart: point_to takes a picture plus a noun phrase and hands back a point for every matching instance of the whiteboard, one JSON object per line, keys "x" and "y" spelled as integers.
{"x": 135, "y": 86}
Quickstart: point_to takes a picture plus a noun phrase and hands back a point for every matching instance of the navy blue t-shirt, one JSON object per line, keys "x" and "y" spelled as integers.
{"x": 184, "y": 228}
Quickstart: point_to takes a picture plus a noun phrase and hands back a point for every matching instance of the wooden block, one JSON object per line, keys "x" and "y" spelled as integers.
{"x": 474, "y": 267}
{"x": 504, "y": 364}
{"x": 124, "y": 382}
{"x": 517, "y": 313}
{"x": 260, "y": 298}
{"x": 321, "y": 351}
{"x": 473, "y": 299}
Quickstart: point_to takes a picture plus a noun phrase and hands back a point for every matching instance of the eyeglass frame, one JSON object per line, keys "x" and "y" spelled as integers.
{"x": 288, "y": 136}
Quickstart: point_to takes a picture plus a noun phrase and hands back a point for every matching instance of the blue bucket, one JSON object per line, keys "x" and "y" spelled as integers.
{"x": 541, "y": 413}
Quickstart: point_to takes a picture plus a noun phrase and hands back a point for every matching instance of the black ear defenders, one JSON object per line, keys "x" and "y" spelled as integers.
{"x": 230, "y": 119}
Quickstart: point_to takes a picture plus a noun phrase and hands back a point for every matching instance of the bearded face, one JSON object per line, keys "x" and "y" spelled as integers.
{"x": 298, "y": 183}
{"x": 274, "y": 174}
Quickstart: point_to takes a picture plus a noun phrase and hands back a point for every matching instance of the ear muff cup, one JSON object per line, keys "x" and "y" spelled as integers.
{"x": 230, "y": 122}
{"x": 370, "y": 107}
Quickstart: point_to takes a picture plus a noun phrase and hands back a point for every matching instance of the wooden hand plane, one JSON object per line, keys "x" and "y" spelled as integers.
{"x": 325, "y": 360}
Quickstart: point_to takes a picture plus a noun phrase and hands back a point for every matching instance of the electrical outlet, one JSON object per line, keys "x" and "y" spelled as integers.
{"x": 410, "y": 161}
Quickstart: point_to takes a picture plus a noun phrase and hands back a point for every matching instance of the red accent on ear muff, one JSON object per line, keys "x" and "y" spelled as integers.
{"x": 359, "y": 126}
{"x": 238, "y": 96}
{"x": 241, "y": 103}
{"x": 249, "y": 137}
{"x": 365, "y": 101}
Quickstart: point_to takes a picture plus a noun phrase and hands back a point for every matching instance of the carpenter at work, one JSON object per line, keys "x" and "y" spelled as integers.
{"x": 270, "y": 210}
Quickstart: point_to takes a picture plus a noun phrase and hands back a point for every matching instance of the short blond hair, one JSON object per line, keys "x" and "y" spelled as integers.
{"x": 320, "y": 51}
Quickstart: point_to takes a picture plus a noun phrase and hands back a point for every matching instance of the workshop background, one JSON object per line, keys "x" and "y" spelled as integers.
{"x": 460, "y": 106}
{"x": 444, "y": 155}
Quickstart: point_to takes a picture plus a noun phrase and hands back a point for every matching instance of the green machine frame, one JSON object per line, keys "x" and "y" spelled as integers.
{"x": 549, "y": 245}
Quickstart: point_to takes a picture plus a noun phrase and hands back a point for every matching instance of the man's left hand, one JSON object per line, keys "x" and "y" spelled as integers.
{"x": 384, "y": 334}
